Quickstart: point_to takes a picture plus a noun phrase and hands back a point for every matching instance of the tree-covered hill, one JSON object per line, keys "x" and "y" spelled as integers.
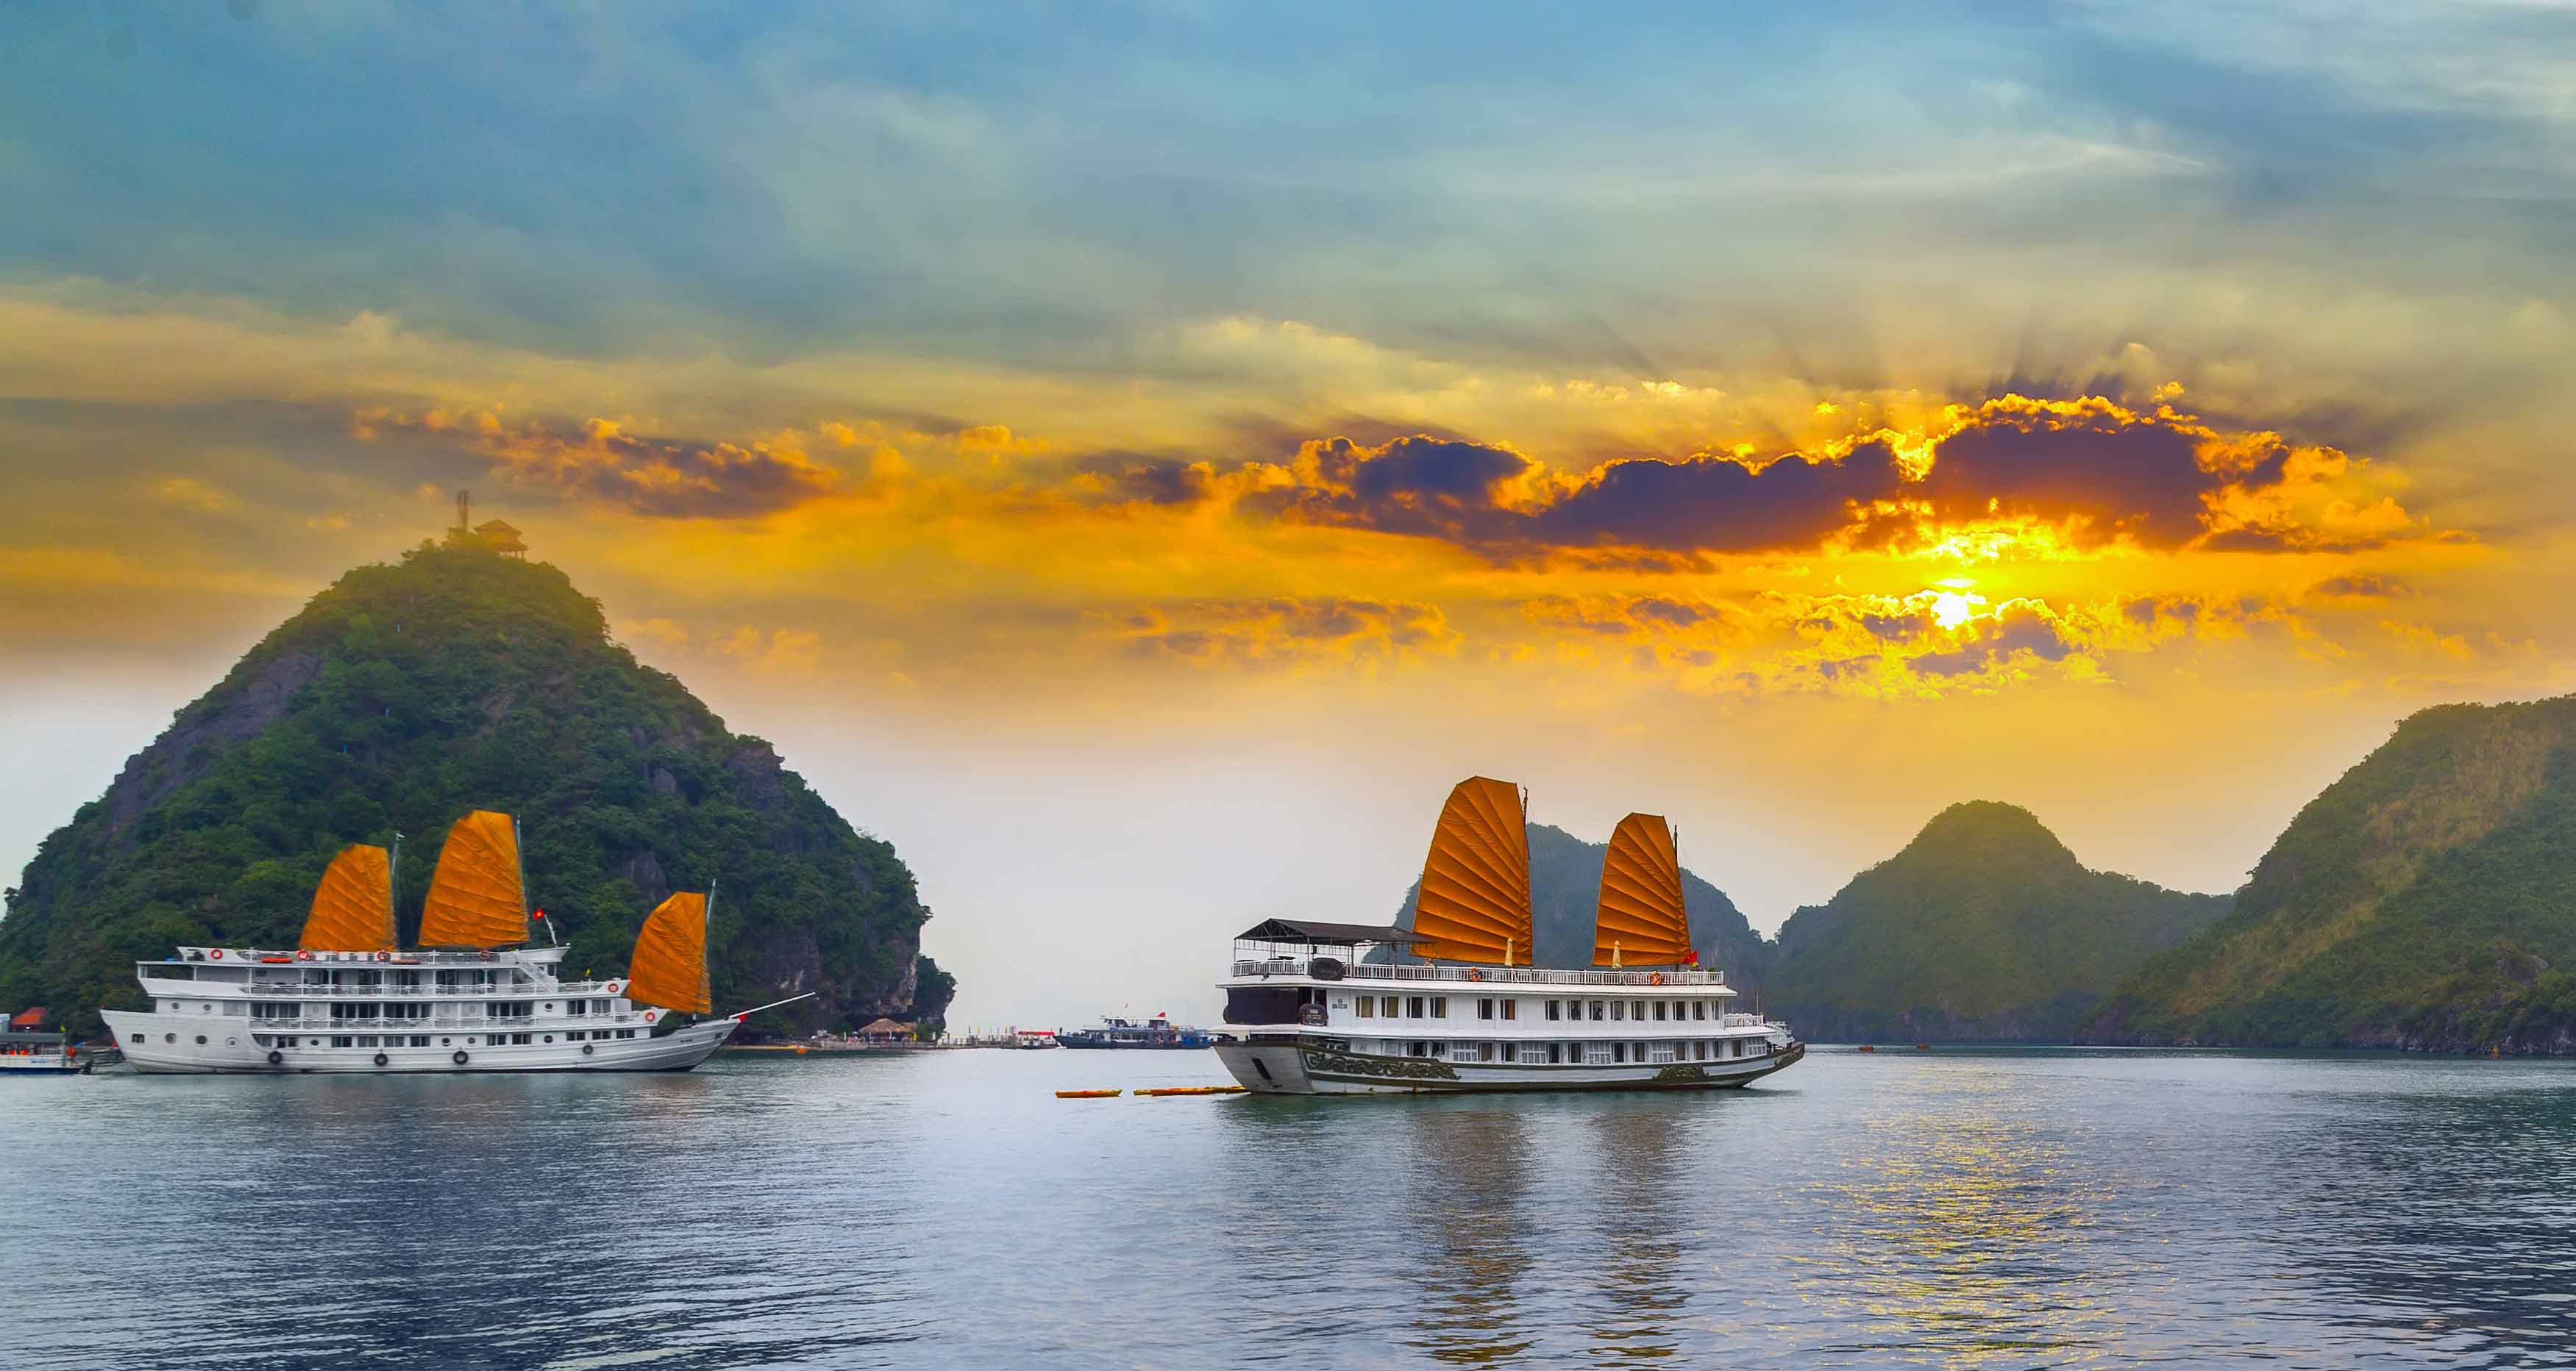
{"x": 2427, "y": 899}
{"x": 401, "y": 698}
{"x": 1984, "y": 929}
{"x": 1565, "y": 892}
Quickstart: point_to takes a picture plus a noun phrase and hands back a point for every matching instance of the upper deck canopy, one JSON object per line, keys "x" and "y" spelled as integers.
{"x": 1309, "y": 933}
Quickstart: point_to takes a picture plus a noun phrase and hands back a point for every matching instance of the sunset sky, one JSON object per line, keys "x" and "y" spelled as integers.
{"x": 1136, "y": 460}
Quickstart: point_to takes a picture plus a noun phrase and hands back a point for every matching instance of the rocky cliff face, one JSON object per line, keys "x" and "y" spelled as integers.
{"x": 406, "y": 695}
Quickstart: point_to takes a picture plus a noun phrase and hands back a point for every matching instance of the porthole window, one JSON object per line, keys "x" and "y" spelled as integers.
{"x": 169, "y": 1037}
{"x": 201, "y": 1040}
{"x": 445, "y": 1041}
{"x": 232, "y": 1042}
{"x": 550, "y": 1037}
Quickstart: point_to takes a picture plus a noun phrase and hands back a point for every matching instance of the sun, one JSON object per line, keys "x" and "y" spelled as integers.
{"x": 1952, "y": 608}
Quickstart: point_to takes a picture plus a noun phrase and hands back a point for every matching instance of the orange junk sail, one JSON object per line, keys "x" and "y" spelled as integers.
{"x": 476, "y": 899}
{"x": 1641, "y": 898}
{"x": 1475, "y": 901}
{"x": 670, "y": 963}
{"x": 353, "y": 907}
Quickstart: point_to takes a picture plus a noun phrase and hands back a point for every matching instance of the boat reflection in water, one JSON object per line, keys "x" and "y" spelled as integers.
{"x": 1638, "y": 1297}
{"x": 1470, "y": 1169}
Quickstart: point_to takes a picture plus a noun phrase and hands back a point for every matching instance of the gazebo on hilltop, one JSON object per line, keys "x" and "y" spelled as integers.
{"x": 502, "y": 538}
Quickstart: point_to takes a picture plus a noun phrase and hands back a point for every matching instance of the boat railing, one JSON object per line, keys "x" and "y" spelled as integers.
{"x": 441, "y": 1023}
{"x": 1488, "y": 975}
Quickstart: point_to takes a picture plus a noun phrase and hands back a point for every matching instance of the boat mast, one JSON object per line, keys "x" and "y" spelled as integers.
{"x": 706, "y": 920}
{"x": 393, "y": 865}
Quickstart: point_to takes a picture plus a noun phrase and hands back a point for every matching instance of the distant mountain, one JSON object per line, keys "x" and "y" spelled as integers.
{"x": 406, "y": 695}
{"x": 2427, "y": 899}
{"x": 1565, "y": 890}
{"x": 1984, "y": 929}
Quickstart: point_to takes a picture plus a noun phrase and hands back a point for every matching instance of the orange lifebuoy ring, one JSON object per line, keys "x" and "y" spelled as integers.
{"x": 611, "y": 987}
{"x": 303, "y": 956}
{"x": 1656, "y": 979}
{"x": 1474, "y": 975}
{"x": 648, "y": 1016}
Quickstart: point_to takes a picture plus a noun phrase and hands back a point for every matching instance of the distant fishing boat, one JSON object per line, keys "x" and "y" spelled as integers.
{"x": 1456, "y": 1007}
{"x": 1158, "y": 1032}
{"x": 473, "y": 997}
{"x": 28, "y": 1048}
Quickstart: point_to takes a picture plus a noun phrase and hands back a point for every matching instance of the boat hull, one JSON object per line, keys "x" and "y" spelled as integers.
{"x": 1304, "y": 1067}
{"x": 164, "y": 1049}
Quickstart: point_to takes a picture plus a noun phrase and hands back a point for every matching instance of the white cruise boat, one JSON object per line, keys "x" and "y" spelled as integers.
{"x": 1454, "y": 1006}
{"x": 347, "y": 999}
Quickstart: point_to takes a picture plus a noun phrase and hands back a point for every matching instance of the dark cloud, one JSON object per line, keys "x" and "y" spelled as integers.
{"x": 2100, "y": 470}
{"x": 1717, "y": 504}
{"x": 2018, "y": 628}
{"x": 2361, "y": 587}
{"x": 2143, "y": 479}
{"x": 671, "y": 478}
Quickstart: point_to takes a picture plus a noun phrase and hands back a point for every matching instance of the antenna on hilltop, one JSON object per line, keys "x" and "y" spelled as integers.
{"x": 464, "y": 500}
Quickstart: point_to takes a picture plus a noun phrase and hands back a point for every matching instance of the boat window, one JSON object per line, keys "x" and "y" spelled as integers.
{"x": 1511, "y": 1009}
{"x": 1440, "y": 1006}
{"x": 1659, "y": 1011}
{"x": 138, "y": 1037}
{"x": 1551, "y": 1010}
{"x": 1596, "y": 1054}
{"x": 1386, "y": 1007}
{"x": 1413, "y": 1006}
{"x": 1555, "y": 1055}
{"x": 577, "y": 1007}
{"x": 599, "y": 1006}
{"x": 1484, "y": 1006}
{"x": 1257, "y": 1004}
{"x": 1368, "y": 1006}
{"x": 1596, "y": 1011}
{"x": 1699, "y": 1009}
{"x": 1511, "y": 1052}
{"x": 1618, "y": 1010}
{"x": 1619, "y": 1052}
{"x": 420, "y": 1040}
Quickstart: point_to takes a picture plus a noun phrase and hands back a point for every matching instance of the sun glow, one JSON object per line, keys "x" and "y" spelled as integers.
{"x": 1952, "y": 608}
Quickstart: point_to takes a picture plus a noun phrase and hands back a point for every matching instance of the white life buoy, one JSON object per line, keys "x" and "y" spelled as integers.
{"x": 303, "y": 956}
{"x": 612, "y": 987}
{"x": 648, "y": 1016}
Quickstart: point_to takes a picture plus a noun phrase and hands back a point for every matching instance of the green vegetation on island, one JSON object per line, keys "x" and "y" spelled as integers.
{"x": 2426, "y": 900}
{"x": 408, "y": 694}
{"x": 1984, "y": 929}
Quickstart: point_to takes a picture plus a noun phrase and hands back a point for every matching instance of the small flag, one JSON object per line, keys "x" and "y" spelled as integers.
{"x": 1692, "y": 959}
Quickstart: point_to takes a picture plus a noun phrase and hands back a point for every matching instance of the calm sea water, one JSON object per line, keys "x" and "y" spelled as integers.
{"x": 1972, "y": 1209}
